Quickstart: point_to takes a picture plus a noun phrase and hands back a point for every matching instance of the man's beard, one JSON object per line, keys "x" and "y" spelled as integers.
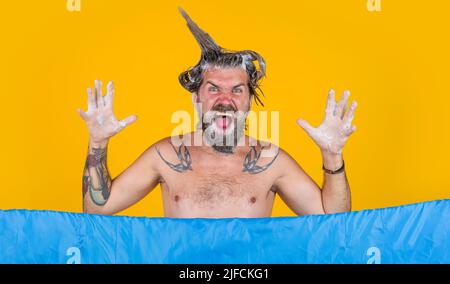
{"x": 223, "y": 140}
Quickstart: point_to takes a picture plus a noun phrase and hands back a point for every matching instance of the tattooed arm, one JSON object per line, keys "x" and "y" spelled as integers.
{"x": 96, "y": 178}
{"x": 102, "y": 195}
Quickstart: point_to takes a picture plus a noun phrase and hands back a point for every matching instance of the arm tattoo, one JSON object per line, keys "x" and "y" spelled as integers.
{"x": 96, "y": 179}
{"x": 252, "y": 158}
{"x": 183, "y": 156}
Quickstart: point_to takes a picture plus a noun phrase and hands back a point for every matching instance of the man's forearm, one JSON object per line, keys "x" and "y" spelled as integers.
{"x": 96, "y": 178}
{"x": 335, "y": 191}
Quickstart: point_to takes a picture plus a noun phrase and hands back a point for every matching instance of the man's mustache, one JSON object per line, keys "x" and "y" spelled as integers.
{"x": 223, "y": 108}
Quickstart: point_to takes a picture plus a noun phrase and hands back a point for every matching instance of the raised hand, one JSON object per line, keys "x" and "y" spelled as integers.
{"x": 100, "y": 119}
{"x": 332, "y": 134}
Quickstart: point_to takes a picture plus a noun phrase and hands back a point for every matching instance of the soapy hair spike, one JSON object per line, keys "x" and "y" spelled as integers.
{"x": 212, "y": 55}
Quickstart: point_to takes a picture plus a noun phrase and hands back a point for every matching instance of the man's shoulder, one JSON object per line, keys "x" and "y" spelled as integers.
{"x": 168, "y": 146}
{"x": 268, "y": 150}
{"x": 162, "y": 144}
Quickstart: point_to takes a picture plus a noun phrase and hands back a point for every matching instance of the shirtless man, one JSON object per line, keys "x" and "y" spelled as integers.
{"x": 217, "y": 178}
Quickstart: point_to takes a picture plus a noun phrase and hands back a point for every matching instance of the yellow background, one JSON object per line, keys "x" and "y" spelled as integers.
{"x": 395, "y": 63}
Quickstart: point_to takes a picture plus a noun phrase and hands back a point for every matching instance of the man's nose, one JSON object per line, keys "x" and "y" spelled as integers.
{"x": 225, "y": 97}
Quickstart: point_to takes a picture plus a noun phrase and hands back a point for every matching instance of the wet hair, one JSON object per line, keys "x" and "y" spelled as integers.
{"x": 215, "y": 56}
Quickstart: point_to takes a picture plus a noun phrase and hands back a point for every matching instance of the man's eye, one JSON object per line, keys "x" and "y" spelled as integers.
{"x": 212, "y": 89}
{"x": 237, "y": 90}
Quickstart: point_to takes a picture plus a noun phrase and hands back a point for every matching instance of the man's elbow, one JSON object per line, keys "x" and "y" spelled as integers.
{"x": 98, "y": 210}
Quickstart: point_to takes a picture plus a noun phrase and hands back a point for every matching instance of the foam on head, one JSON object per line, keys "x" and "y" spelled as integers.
{"x": 215, "y": 56}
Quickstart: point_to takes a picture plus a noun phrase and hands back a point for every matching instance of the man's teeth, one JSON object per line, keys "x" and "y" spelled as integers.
{"x": 224, "y": 114}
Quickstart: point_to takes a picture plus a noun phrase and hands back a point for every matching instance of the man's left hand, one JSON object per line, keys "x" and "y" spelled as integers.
{"x": 332, "y": 134}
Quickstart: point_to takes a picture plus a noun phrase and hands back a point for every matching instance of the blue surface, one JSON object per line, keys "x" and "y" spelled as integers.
{"x": 415, "y": 233}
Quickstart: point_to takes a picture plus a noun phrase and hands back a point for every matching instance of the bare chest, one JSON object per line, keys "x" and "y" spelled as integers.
{"x": 212, "y": 189}
{"x": 226, "y": 185}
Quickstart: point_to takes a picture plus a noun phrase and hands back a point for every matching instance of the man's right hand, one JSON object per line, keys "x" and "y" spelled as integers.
{"x": 100, "y": 119}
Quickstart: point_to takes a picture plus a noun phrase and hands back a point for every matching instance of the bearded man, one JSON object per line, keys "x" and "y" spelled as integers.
{"x": 228, "y": 174}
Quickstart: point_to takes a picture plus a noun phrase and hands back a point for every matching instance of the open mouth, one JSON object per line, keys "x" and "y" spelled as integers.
{"x": 223, "y": 120}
